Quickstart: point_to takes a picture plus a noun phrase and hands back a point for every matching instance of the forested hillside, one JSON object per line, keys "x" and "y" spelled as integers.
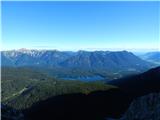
{"x": 22, "y": 87}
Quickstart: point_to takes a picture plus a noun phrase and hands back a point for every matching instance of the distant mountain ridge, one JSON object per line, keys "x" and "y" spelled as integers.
{"x": 107, "y": 62}
{"x": 151, "y": 57}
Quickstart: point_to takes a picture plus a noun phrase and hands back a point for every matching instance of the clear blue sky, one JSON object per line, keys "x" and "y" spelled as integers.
{"x": 80, "y": 25}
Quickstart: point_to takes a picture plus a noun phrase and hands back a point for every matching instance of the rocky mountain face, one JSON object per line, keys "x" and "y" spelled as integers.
{"x": 33, "y": 58}
{"x": 144, "y": 108}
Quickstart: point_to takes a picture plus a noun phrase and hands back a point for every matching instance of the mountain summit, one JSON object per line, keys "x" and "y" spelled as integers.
{"x": 105, "y": 63}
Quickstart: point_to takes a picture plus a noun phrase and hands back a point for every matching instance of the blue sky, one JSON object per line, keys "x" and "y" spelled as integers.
{"x": 80, "y": 25}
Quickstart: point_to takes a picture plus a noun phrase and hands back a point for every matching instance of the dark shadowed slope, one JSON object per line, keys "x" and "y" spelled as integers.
{"x": 144, "y": 108}
{"x": 61, "y": 100}
{"x": 139, "y": 84}
{"x": 98, "y": 105}
{"x": 93, "y": 106}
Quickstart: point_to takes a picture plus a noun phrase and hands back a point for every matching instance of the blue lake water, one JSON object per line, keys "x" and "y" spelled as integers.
{"x": 85, "y": 78}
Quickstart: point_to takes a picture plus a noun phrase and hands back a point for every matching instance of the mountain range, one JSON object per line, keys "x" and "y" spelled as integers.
{"x": 33, "y": 91}
{"x": 81, "y": 64}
